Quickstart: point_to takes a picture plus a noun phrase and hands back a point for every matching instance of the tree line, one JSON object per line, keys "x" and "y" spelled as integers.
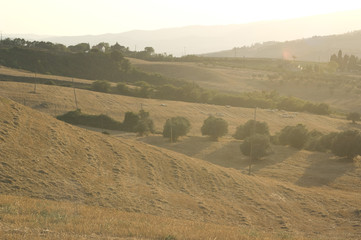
{"x": 255, "y": 135}
{"x": 108, "y": 64}
{"x": 345, "y": 62}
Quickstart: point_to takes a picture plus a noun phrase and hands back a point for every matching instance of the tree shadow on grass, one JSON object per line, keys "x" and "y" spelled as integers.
{"x": 324, "y": 171}
{"x": 190, "y": 145}
{"x": 225, "y": 152}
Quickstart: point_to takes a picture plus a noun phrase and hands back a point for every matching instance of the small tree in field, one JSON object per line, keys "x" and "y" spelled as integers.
{"x": 130, "y": 122}
{"x": 354, "y": 116}
{"x": 295, "y": 136}
{"x": 176, "y": 127}
{"x": 214, "y": 127}
{"x": 347, "y": 144}
{"x": 145, "y": 124}
{"x": 101, "y": 86}
{"x": 247, "y": 129}
{"x": 258, "y": 144}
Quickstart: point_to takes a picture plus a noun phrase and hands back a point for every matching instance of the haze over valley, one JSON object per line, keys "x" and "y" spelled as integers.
{"x": 216, "y": 121}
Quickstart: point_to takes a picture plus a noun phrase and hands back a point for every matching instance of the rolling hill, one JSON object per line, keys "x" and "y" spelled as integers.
{"x": 316, "y": 48}
{"x": 46, "y": 159}
{"x": 55, "y": 100}
{"x": 205, "y": 39}
{"x": 341, "y": 90}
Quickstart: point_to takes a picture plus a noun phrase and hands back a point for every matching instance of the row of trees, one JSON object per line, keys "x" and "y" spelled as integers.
{"x": 343, "y": 144}
{"x": 133, "y": 122}
{"x": 256, "y": 135}
{"x": 346, "y": 62}
{"x": 148, "y": 53}
{"x": 213, "y": 127}
{"x": 257, "y": 139}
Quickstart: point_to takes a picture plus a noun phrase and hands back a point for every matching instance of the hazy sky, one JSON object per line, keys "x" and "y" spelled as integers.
{"x": 80, "y": 17}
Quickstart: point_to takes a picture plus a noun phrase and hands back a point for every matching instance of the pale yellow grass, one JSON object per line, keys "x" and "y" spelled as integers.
{"x": 41, "y": 157}
{"x": 24, "y": 73}
{"x": 287, "y": 164}
{"x": 27, "y": 218}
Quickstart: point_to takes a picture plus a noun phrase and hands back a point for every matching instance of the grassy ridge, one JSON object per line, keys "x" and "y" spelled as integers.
{"x": 27, "y": 218}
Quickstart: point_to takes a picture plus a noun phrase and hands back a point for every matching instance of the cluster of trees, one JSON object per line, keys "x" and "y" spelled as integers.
{"x": 256, "y": 136}
{"x": 133, "y": 122}
{"x": 179, "y": 126}
{"x": 257, "y": 140}
{"x": 343, "y": 144}
{"x": 346, "y": 62}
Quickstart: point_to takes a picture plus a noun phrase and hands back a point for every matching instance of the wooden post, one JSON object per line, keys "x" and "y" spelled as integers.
{"x": 251, "y": 139}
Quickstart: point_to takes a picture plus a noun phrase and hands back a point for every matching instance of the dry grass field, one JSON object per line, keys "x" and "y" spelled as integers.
{"x": 55, "y": 100}
{"x": 29, "y": 218}
{"x": 43, "y": 158}
{"x": 59, "y": 181}
{"x": 340, "y": 95}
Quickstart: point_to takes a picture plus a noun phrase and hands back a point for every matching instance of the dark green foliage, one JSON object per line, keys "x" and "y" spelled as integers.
{"x": 123, "y": 89}
{"x": 101, "y": 86}
{"x": 259, "y": 145}
{"x": 99, "y": 121}
{"x": 80, "y": 48}
{"x": 247, "y": 129}
{"x": 347, "y": 144}
{"x": 145, "y": 124}
{"x": 214, "y": 127}
{"x": 176, "y": 127}
{"x": 314, "y": 143}
{"x": 291, "y": 104}
{"x": 345, "y": 62}
{"x": 295, "y": 136}
{"x": 326, "y": 141}
{"x": 140, "y": 123}
{"x": 321, "y": 108}
{"x": 354, "y": 116}
{"x": 130, "y": 122}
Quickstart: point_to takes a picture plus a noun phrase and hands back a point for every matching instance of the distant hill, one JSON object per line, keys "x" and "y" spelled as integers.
{"x": 205, "y": 39}
{"x": 317, "y": 48}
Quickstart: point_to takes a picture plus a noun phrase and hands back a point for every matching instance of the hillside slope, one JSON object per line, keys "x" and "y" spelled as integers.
{"x": 337, "y": 92}
{"x": 203, "y": 39}
{"x": 317, "y": 48}
{"x": 55, "y": 100}
{"x": 44, "y": 158}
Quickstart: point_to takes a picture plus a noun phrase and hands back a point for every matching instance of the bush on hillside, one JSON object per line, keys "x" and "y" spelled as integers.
{"x": 176, "y": 127}
{"x": 354, "y": 116}
{"x": 250, "y": 127}
{"x": 258, "y": 144}
{"x": 313, "y": 142}
{"x": 295, "y": 136}
{"x": 347, "y": 144}
{"x": 99, "y": 121}
{"x": 145, "y": 124}
{"x": 101, "y": 86}
{"x": 130, "y": 121}
{"x": 214, "y": 127}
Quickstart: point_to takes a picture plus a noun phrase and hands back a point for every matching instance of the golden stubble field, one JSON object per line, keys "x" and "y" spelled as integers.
{"x": 191, "y": 184}
{"x": 43, "y": 158}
